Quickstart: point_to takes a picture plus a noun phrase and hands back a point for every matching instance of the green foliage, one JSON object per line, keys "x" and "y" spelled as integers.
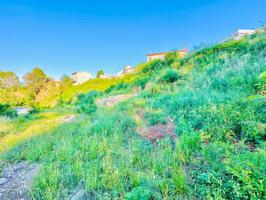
{"x": 144, "y": 192}
{"x": 141, "y": 82}
{"x": 249, "y": 170}
{"x": 189, "y": 143}
{"x": 170, "y": 76}
{"x": 35, "y": 80}
{"x": 6, "y": 110}
{"x": 155, "y": 117}
{"x": 86, "y": 102}
{"x": 8, "y": 80}
{"x": 119, "y": 86}
{"x": 171, "y": 58}
{"x": 99, "y": 73}
{"x": 219, "y": 151}
{"x": 153, "y": 66}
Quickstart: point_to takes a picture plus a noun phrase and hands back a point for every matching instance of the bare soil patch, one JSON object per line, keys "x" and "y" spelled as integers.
{"x": 16, "y": 181}
{"x": 69, "y": 119}
{"x": 158, "y": 131}
{"x": 113, "y": 100}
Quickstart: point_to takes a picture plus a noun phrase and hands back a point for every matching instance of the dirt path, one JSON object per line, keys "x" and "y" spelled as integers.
{"x": 157, "y": 131}
{"x": 113, "y": 100}
{"x": 69, "y": 119}
{"x": 16, "y": 181}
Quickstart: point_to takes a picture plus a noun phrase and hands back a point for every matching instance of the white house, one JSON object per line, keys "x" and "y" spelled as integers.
{"x": 242, "y": 32}
{"x": 103, "y": 76}
{"x": 161, "y": 56}
{"x": 127, "y": 69}
{"x": 80, "y": 77}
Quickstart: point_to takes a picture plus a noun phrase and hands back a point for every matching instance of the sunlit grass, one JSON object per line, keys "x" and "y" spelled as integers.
{"x": 44, "y": 123}
{"x": 218, "y": 151}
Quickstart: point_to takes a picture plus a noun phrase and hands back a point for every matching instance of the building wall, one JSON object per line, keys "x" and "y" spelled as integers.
{"x": 162, "y": 56}
{"x": 241, "y": 33}
{"x": 81, "y": 77}
{"x": 154, "y": 57}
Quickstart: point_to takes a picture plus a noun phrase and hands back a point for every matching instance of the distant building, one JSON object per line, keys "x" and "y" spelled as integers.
{"x": 80, "y": 77}
{"x": 161, "y": 56}
{"x": 242, "y": 32}
{"x": 102, "y": 76}
{"x": 127, "y": 69}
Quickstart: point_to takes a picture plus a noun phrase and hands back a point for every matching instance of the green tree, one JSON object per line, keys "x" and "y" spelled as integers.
{"x": 35, "y": 81}
{"x": 99, "y": 73}
{"x": 8, "y": 80}
{"x": 66, "y": 81}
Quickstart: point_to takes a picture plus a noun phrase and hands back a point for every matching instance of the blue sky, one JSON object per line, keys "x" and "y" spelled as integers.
{"x": 66, "y": 36}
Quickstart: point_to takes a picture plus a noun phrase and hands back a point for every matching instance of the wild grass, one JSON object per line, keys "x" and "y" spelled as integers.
{"x": 219, "y": 151}
{"x": 23, "y": 128}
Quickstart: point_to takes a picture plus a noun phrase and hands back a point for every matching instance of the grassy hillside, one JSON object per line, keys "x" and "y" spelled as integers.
{"x": 214, "y": 100}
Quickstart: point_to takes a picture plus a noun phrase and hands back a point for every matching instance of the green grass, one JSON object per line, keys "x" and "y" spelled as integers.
{"x": 22, "y": 128}
{"x": 217, "y": 103}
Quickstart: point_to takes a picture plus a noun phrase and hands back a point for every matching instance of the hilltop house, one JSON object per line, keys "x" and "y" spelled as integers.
{"x": 127, "y": 69}
{"x": 103, "y": 76}
{"x": 80, "y": 77}
{"x": 161, "y": 56}
{"x": 242, "y": 32}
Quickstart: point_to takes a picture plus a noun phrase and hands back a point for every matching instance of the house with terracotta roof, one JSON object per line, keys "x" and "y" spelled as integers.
{"x": 161, "y": 56}
{"x": 240, "y": 33}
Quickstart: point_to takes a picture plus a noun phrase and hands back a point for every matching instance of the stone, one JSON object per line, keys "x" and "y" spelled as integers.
{"x": 3, "y": 180}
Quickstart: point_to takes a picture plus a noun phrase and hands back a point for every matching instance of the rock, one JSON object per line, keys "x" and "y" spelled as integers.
{"x": 79, "y": 194}
{"x": 17, "y": 180}
{"x": 3, "y": 180}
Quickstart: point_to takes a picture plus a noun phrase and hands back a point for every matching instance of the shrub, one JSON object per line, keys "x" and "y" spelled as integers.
{"x": 188, "y": 144}
{"x": 113, "y": 123}
{"x": 6, "y": 110}
{"x": 144, "y": 192}
{"x": 170, "y": 76}
{"x": 249, "y": 170}
{"x": 86, "y": 102}
{"x": 141, "y": 82}
{"x": 154, "y": 66}
{"x": 171, "y": 58}
{"x": 119, "y": 86}
{"x": 155, "y": 117}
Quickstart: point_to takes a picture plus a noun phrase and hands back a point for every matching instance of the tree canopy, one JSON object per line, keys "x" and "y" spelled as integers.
{"x": 8, "y": 80}
{"x": 99, "y": 73}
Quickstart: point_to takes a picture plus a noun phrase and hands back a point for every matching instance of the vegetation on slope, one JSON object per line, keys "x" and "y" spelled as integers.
{"x": 216, "y": 100}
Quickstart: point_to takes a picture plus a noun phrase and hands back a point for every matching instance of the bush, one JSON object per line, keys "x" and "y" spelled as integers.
{"x": 6, "y": 110}
{"x": 154, "y": 66}
{"x": 171, "y": 58}
{"x": 155, "y": 117}
{"x": 113, "y": 123}
{"x": 145, "y": 192}
{"x": 170, "y": 76}
{"x": 249, "y": 170}
{"x": 86, "y": 102}
{"x": 119, "y": 86}
{"x": 141, "y": 82}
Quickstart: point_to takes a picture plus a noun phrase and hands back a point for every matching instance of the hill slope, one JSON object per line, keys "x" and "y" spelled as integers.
{"x": 196, "y": 130}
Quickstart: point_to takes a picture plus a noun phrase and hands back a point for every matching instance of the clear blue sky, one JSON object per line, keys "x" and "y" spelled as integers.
{"x": 63, "y": 36}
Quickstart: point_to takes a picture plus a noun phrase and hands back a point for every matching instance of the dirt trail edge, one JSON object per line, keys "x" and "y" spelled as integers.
{"x": 113, "y": 100}
{"x": 16, "y": 181}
